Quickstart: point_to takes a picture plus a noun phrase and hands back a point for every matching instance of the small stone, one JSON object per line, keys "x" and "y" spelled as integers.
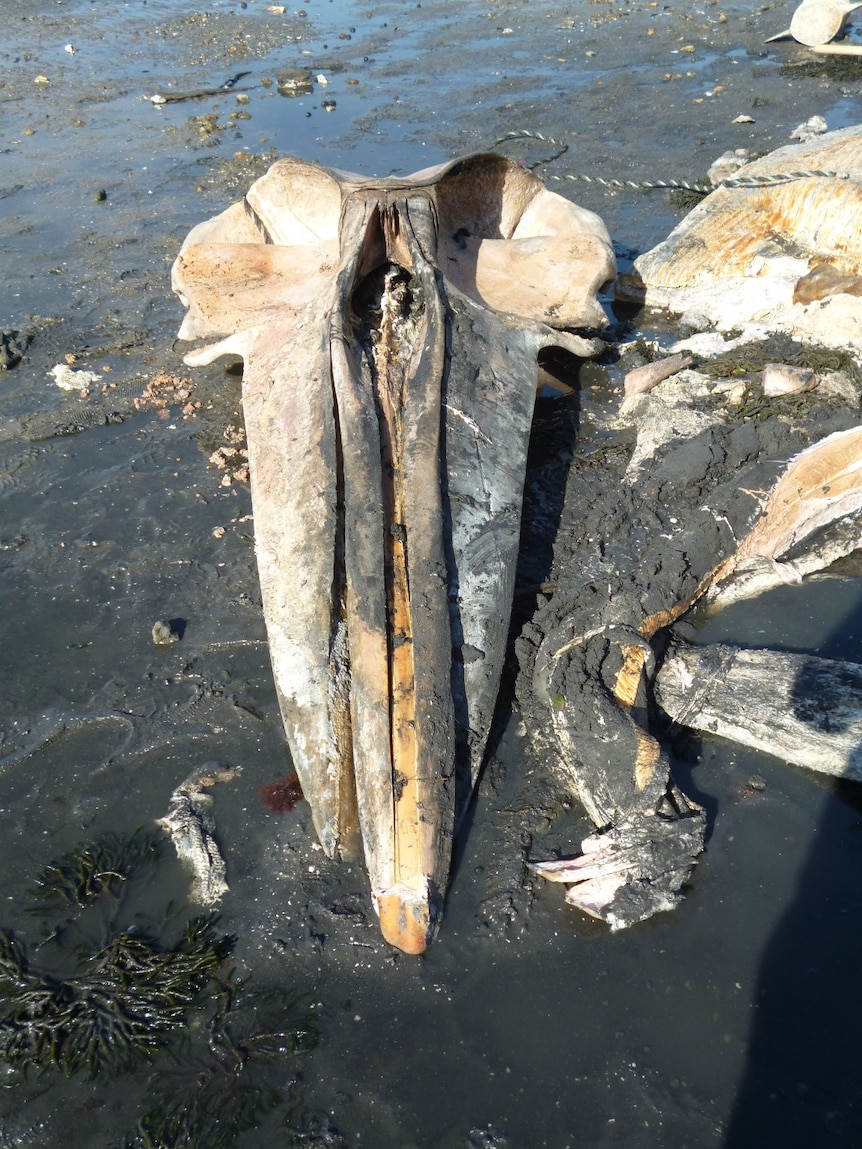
{"x": 810, "y": 130}
{"x": 164, "y": 634}
{"x": 100, "y": 196}
{"x": 294, "y": 82}
{"x": 744, "y": 120}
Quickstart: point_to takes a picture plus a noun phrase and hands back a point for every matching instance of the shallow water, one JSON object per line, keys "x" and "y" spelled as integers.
{"x": 730, "y": 1022}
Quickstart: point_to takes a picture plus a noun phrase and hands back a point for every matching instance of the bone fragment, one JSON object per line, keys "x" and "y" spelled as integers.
{"x": 636, "y": 869}
{"x": 803, "y": 709}
{"x": 812, "y": 518}
{"x": 824, "y": 280}
{"x": 816, "y": 22}
{"x": 735, "y": 261}
{"x": 643, "y": 379}
{"x": 838, "y": 49}
{"x": 786, "y": 379}
{"x": 190, "y": 824}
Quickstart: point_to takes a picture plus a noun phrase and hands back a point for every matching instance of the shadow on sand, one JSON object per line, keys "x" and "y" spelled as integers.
{"x": 801, "y": 1083}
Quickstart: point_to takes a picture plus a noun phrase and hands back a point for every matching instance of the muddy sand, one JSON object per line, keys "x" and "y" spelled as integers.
{"x": 729, "y": 1022}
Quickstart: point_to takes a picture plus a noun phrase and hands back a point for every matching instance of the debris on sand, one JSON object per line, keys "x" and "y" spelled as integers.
{"x": 190, "y": 824}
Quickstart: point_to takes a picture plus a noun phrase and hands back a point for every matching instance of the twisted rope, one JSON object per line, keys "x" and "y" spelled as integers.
{"x": 668, "y": 185}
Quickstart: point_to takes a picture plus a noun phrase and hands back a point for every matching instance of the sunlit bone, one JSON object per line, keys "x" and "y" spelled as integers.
{"x": 816, "y": 22}
{"x": 784, "y": 257}
{"x": 390, "y": 330}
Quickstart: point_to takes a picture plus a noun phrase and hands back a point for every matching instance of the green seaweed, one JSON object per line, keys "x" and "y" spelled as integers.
{"x": 839, "y": 69}
{"x": 81, "y": 876}
{"x": 752, "y": 357}
{"x": 136, "y": 999}
{"x": 685, "y": 199}
{"x": 117, "y": 1009}
{"x": 208, "y": 1098}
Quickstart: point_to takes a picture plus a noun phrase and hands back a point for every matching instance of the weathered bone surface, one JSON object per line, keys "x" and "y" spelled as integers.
{"x": 190, "y": 824}
{"x": 802, "y": 709}
{"x": 390, "y": 330}
{"x": 812, "y": 518}
{"x": 649, "y": 834}
{"x": 787, "y": 257}
{"x": 816, "y": 22}
{"x": 635, "y": 869}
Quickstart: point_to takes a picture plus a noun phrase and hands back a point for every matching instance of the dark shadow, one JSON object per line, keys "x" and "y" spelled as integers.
{"x": 801, "y": 1083}
{"x": 178, "y": 626}
{"x": 686, "y": 751}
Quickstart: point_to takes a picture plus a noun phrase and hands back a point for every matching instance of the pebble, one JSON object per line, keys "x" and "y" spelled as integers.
{"x": 812, "y": 128}
{"x": 294, "y": 82}
{"x": 164, "y": 634}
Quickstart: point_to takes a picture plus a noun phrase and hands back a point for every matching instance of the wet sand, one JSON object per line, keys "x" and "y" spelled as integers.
{"x": 727, "y": 1023}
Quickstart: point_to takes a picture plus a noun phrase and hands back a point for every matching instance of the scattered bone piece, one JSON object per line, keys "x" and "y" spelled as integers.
{"x": 69, "y": 380}
{"x": 642, "y": 379}
{"x": 737, "y": 258}
{"x": 728, "y": 164}
{"x": 825, "y": 280}
{"x": 189, "y": 822}
{"x": 812, "y": 518}
{"x": 636, "y": 869}
{"x": 816, "y": 22}
{"x": 821, "y": 484}
{"x": 785, "y": 379}
{"x": 812, "y": 128}
{"x": 803, "y": 709}
{"x": 838, "y": 49}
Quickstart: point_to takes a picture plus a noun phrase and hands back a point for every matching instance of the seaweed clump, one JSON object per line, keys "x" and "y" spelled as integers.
{"x": 135, "y": 999}
{"x": 120, "y": 1005}
{"x": 838, "y": 69}
{"x": 225, "y": 1090}
{"x": 752, "y": 357}
{"x": 81, "y": 876}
